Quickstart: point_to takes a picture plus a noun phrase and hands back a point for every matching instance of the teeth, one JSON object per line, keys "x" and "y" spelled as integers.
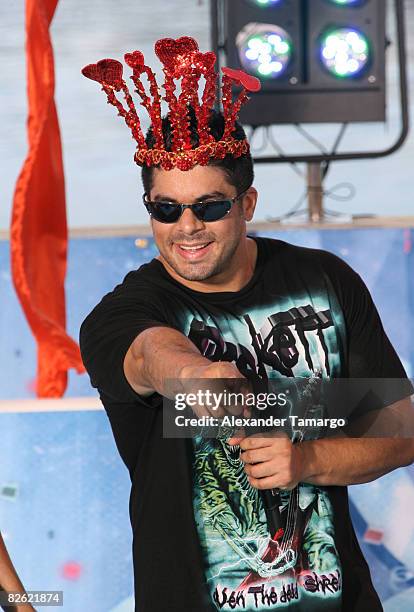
{"x": 195, "y": 248}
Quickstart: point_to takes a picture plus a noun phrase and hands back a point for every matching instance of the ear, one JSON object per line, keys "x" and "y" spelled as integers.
{"x": 249, "y": 203}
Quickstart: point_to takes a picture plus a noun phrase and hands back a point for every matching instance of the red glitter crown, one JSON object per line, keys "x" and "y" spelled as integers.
{"x": 181, "y": 59}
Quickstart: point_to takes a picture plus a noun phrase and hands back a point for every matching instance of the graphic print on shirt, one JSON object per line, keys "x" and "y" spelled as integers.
{"x": 245, "y": 568}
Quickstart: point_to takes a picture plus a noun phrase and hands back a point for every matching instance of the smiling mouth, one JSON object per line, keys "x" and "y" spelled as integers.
{"x": 193, "y": 247}
{"x": 192, "y": 250}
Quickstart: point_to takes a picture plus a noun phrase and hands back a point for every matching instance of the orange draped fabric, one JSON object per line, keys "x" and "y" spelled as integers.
{"x": 38, "y": 233}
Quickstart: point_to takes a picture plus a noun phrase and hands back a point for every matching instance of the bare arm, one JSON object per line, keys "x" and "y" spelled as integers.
{"x": 9, "y": 580}
{"x": 347, "y": 461}
{"x": 357, "y": 459}
{"x": 272, "y": 462}
{"x": 277, "y": 463}
{"x": 161, "y": 353}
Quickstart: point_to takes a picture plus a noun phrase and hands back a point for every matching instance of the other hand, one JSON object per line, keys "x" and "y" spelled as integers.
{"x": 271, "y": 461}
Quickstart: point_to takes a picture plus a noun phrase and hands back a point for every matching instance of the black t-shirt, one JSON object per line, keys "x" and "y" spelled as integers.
{"x": 312, "y": 313}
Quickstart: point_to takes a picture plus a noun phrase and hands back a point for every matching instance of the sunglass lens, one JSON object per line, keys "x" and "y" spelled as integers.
{"x": 165, "y": 212}
{"x": 213, "y": 211}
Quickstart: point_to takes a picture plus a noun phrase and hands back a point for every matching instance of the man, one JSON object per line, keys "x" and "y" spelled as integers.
{"x": 219, "y": 304}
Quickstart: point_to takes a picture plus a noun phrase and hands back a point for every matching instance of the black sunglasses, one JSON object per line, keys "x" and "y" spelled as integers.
{"x": 170, "y": 212}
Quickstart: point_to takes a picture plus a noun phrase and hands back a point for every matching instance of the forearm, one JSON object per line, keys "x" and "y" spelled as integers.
{"x": 9, "y": 579}
{"x": 346, "y": 461}
{"x": 160, "y": 355}
{"x": 166, "y": 361}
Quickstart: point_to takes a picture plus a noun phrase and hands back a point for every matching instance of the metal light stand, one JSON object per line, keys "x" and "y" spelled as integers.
{"x": 315, "y": 193}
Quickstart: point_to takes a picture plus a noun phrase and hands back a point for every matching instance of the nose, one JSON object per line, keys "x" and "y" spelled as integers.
{"x": 188, "y": 223}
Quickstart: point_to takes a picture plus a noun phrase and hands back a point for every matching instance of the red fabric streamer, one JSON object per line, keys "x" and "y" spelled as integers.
{"x": 38, "y": 227}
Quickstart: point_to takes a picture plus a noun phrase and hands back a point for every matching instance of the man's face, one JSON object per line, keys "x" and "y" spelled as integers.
{"x": 195, "y": 250}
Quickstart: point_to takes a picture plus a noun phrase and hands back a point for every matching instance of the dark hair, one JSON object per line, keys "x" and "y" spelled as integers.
{"x": 239, "y": 170}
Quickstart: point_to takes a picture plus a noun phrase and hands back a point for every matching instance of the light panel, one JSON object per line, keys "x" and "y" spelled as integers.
{"x": 345, "y": 52}
{"x": 265, "y": 50}
{"x": 265, "y": 3}
{"x": 347, "y": 3}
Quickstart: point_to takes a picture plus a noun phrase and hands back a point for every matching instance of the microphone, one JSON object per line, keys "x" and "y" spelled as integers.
{"x": 270, "y": 499}
{"x": 271, "y": 502}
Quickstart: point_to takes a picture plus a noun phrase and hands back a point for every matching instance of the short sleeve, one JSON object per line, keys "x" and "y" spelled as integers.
{"x": 369, "y": 352}
{"x": 109, "y": 330}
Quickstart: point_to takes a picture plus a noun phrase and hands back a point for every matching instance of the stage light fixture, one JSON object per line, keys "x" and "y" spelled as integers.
{"x": 265, "y": 2}
{"x": 347, "y": 2}
{"x": 318, "y": 60}
{"x": 345, "y": 52}
{"x": 264, "y": 50}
